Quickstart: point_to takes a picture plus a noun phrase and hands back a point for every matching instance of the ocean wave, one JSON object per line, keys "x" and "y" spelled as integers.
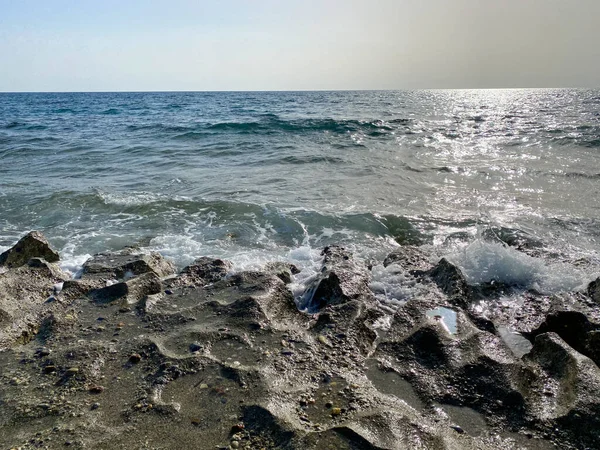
{"x": 23, "y": 126}
{"x": 272, "y": 123}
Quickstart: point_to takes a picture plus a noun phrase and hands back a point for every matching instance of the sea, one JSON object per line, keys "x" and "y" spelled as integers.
{"x": 504, "y": 183}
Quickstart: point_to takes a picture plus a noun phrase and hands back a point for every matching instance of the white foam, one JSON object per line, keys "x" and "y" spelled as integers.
{"x": 394, "y": 286}
{"x": 483, "y": 262}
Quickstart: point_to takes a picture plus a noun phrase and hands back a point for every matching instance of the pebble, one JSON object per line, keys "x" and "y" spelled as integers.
{"x": 43, "y": 351}
{"x": 195, "y": 347}
{"x": 96, "y": 389}
{"x": 95, "y": 406}
{"x": 72, "y": 370}
{"x": 336, "y": 411}
{"x": 458, "y": 429}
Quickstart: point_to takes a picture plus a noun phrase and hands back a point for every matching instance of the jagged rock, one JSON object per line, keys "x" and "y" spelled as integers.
{"x": 282, "y": 270}
{"x": 593, "y": 291}
{"x": 575, "y": 329}
{"x": 23, "y": 294}
{"x": 130, "y": 291}
{"x": 126, "y": 264}
{"x": 32, "y": 245}
{"x": 451, "y": 281}
{"x": 203, "y": 271}
{"x": 341, "y": 279}
{"x": 411, "y": 259}
{"x": 570, "y": 389}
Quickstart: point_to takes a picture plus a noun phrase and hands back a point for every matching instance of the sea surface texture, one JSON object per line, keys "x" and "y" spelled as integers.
{"x": 256, "y": 177}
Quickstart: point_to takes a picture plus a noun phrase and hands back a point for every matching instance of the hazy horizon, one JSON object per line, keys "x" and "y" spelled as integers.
{"x": 185, "y": 46}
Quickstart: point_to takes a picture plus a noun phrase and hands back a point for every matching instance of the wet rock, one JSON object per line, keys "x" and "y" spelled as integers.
{"x": 24, "y": 291}
{"x": 410, "y": 258}
{"x": 126, "y": 264}
{"x": 593, "y": 291}
{"x": 341, "y": 280}
{"x": 283, "y": 271}
{"x": 574, "y": 383}
{"x": 32, "y": 245}
{"x": 452, "y": 282}
{"x": 130, "y": 291}
{"x": 203, "y": 271}
{"x": 575, "y": 329}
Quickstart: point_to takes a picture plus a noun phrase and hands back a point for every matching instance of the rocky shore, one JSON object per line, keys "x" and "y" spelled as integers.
{"x": 133, "y": 355}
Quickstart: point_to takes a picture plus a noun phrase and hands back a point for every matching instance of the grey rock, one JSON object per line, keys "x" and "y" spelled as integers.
{"x": 130, "y": 291}
{"x": 575, "y": 328}
{"x": 341, "y": 279}
{"x": 126, "y": 264}
{"x": 203, "y": 271}
{"x": 410, "y": 258}
{"x": 32, "y": 245}
{"x": 593, "y": 291}
{"x": 451, "y": 281}
{"x": 283, "y": 271}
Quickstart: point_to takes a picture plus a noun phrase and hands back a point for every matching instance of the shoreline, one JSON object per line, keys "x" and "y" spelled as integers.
{"x": 134, "y": 354}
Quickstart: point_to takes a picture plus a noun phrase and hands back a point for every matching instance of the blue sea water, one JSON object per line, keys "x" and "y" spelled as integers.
{"x": 259, "y": 176}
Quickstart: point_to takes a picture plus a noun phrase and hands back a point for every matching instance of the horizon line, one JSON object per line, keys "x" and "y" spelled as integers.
{"x": 294, "y": 90}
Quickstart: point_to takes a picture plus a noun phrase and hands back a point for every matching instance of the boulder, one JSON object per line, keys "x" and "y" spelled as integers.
{"x": 126, "y": 264}
{"x": 593, "y": 291}
{"x": 341, "y": 279}
{"x": 575, "y": 328}
{"x": 283, "y": 271}
{"x": 451, "y": 281}
{"x": 410, "y": 258}
{"x": 565, "y": 390}
{"x": 130, "y": 291}
{"x": 32, "y": 245}
{"x": 26, "y": 295}
{"x": 203, "y": 271}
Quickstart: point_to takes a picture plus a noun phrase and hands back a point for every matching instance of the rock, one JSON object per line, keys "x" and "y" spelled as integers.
{"x": 575, "y": 329}
{"x": 451, "y": 281}
{"x": 574, "y": 382}
{"x": 126, "y": 264}
{"x": 410, "y": 258}
{"x": 341, "y": 280}
{"x": 593, "y": 291}
{"x": 130, "y": 291}
{"x": 32, "y": 245}
{"x": 203, "y": 271}
{"x": 24, "y": 292}
{"x": 282, "y": 270}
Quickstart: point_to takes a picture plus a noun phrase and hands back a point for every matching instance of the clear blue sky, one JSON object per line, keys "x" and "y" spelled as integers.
{"x": 59, "y": 45}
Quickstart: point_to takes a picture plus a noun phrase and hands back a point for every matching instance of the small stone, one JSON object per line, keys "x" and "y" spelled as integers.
{"x": 72, "y": 370}
{"x": 96, "y": 389}
{"x": 43, "y": 351}
{"x": 328, "y": 405}
{"x": 336, "y": 411}
{"x": 168, "y": 292}
{"x": 195, "y": 347}
{"x": 458, "y": 429}
{"x": 135, "y": 358}
{"x": 238, "y": 427}
{"x": 95, "y": 406}
{"x": 323, "y": 340}
{"x": 235, "y": 444}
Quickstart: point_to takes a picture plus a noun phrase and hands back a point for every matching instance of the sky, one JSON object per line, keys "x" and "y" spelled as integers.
{"x": 185, "y": 45}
